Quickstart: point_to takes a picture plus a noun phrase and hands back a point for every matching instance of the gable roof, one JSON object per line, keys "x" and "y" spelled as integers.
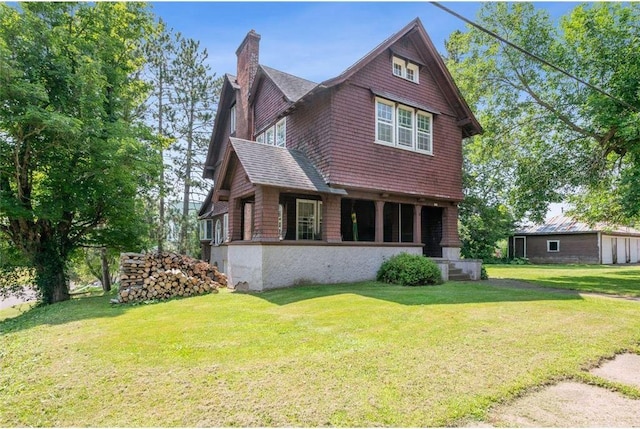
{"x": 467, "y": 120}
{"x": 567, "y": 225}
{"x": 227, "y": 97}
{"x": 293, "y": 87}
{"x": 279, "y": 167}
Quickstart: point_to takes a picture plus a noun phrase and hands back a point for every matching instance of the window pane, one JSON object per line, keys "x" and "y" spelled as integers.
{"x": 405, "y": 117}
{"x": 405, "y": 127}
{"x": 405, "y": 137}
{"x": 385, "y": 112}
{"x": 412, "y": 72}
{"x": 270, "y": 136}
{"x": 397, "y": 69}
{"x": 281, "y": 133}
{"x": 306, "y": 220}
{"x": 424, "y": 132}
{"x": 225, "y": 227}
{"x": 384, "y": 119}
{"x": 385, "y": 133}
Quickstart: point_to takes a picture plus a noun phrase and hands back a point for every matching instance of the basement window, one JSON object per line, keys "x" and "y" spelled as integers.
{"x": 553, "y": 245}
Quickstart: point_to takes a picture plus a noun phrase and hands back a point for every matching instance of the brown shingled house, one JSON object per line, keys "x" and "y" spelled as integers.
{"x": 564, "y": 240}
{"x": 321, "y": 182}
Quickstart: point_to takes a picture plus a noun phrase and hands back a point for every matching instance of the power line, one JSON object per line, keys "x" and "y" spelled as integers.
{"x": 534, "y": 56}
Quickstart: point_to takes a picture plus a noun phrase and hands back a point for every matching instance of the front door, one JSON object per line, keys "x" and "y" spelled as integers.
{"x": 614, "y": 250}
{"x": 432, "y": 231}
{"x": 519, "y": 250}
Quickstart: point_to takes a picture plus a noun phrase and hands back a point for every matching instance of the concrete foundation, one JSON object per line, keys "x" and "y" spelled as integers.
{"x": 255, "y": 266}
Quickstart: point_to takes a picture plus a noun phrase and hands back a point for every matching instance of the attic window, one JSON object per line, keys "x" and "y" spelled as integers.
{"x": 275, "y": 135}
{"x": 405, "y": 69}
{"x": 232, "y": 119}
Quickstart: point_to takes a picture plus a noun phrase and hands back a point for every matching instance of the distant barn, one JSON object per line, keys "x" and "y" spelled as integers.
{"x": 564, "y": 240}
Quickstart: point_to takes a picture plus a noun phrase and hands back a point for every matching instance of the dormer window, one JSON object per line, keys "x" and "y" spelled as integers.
{"x": 275, "y": 135}
{"x": 405, "y": 69}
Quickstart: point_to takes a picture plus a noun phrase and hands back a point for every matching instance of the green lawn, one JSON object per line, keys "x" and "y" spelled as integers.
{"x": 611, "y": 279}
{"x": 363, "y": 354}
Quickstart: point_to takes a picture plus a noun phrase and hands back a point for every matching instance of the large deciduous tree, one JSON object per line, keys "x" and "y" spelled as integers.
{"x": 73, "y": 157}
{"x": 549, "y": 137}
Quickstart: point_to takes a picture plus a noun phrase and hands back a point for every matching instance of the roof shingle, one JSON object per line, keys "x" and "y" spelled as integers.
{"x": 280, "y": 167}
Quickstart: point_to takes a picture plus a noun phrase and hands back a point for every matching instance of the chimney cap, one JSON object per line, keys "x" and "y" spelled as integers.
{"x": 250, "y": 35}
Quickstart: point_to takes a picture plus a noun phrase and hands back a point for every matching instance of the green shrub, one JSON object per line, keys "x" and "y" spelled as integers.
{"x": 409, "y": 270}
{"x": 483, "y": 273}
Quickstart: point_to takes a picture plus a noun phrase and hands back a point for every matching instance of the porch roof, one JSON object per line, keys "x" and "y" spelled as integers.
{"x": 280, "y": 167}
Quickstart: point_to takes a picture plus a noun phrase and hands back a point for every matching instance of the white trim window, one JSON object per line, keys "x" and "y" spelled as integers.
{"x": 406, "y": 69}
{"x": 232, "y": 119}
{"x": 308, "y": 220}
{"x": 403, "y": 126}
{"x": 275, "y": 135}
{"x": 225, "y": 227}
{"x": 384, "y": 121}
{"x": 218, "y": 230}
{"x": 553, "y": 245}
{"x": 206, "y": 226}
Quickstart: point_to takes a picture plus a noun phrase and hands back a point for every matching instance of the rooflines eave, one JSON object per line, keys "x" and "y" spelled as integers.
{"x": 227, "y": 91}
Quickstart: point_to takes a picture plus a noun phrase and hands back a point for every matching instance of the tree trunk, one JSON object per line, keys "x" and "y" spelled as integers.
{"x": 184, "y": 231}
{"x": 51, "y": 276}
{"x": 106, "y": 277}
{"x": 161, "y": 226}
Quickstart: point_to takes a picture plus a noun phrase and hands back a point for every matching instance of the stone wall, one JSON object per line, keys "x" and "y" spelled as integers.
{"x": 150, "y": 276}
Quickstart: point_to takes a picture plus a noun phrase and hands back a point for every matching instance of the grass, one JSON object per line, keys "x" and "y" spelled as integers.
{"x": 611, "y": 279}
{"x": 364, "y": 354}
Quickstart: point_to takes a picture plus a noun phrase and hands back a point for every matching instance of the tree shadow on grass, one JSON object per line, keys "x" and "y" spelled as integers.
{"x": 448, "y": 293}
{"x": 627, "y": 286}
{"x": 80, "y": 308}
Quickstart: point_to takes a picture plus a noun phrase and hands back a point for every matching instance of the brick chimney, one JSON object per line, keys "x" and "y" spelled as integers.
{"x": 248, "y": 54}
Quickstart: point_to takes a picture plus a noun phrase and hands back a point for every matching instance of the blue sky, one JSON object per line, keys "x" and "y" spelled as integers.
{"x": 313, "y": 40}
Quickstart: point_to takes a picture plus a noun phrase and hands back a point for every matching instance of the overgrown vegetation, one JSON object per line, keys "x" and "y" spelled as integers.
{"x": 409, "y": 270}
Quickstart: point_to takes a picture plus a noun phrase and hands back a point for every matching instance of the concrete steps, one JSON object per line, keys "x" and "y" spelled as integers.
{"x": 456, "y": 274}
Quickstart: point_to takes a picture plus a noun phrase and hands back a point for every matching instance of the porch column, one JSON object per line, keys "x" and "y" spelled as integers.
{"x": 235, "y": 219}
{"x": 450, "y": 243}
{"x": 265, "y": 222}
{"x": 417, "y": 224}
{"x": 331, "y": 212}
{"x": 379, "y": 221}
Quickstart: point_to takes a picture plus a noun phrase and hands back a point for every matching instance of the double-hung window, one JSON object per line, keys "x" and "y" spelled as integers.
{"x": 384, "y": 121}
{"x": 403, "y": 126}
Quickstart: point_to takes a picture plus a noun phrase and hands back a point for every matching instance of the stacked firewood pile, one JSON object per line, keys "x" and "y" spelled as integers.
{"x": 165, "y": 275}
